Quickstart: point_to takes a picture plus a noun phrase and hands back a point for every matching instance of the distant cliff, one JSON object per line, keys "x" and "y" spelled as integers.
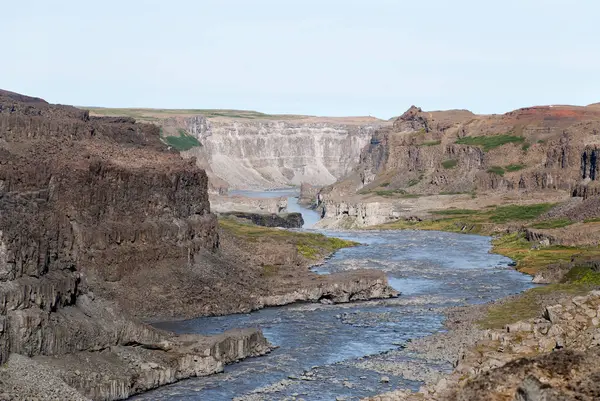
{"x": 549, "y": 150}
{"x": 259, "y": 154}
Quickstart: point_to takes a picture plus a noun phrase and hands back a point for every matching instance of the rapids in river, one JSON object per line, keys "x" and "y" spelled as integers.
{"x": 323, "y": 348}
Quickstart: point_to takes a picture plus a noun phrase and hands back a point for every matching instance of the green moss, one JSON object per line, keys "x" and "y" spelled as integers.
{"x": 490, "y": 142}
{"x": 525, "y": 306}
{"x": 312, "y": 246}
{"x": 555, "y": 223}
{"x": 270, "y": 270}
{"x": 496, "y": 170}
{"x": 504, "y": 214}
{"x": 448, "y": 164}
{"x": 582, "y": 275}
{"x": 182, "y": 142}
{"x": 514, "y": 167}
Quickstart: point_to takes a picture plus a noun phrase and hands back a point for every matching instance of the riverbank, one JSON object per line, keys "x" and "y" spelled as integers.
{"x": 485, "y": 338}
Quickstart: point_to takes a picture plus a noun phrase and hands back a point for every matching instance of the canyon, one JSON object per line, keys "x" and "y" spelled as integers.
{"x": 98, "y": 213}
{"x": 116, "y": 218}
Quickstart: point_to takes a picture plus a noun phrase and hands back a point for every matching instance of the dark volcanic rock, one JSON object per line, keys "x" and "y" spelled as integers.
{"x": 89, "y": 208}
{"x": 285, "y": 220}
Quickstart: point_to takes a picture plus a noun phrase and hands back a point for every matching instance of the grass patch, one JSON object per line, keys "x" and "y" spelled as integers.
{"x": 453, "y": 212}
{"x": 526, "y": 306}
{"x": 530, "y": 260}
{"x": 182, "y": 142}
{"x": 525, "y": 147}
{"x": 496, "y": 170}
{"x": 312, "y": 246}
{"x": 514, "y": 167}
{"x": 504, "y": 214}
{"x": 430, "y": 143}
{"x": 582, "y": 275}
{"x": 448, "y": 164}
{"x": 270, "y": 270}
{"x": 592, "y": 220}
{"x": 555, "y": 223}
{"x": 385, "y": 184}
{"x": 490, "y": 142}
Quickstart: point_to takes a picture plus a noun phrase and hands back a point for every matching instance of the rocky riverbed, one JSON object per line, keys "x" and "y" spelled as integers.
{"x": 350, "y": 351}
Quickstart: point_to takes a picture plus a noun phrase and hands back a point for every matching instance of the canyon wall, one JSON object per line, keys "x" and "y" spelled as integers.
{"x": 539, "y": 152}
{"x": 263, "y": 154}
{"x": 89, "y": 208}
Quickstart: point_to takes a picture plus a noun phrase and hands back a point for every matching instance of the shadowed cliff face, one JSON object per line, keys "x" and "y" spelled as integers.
{"x": 271, "y": 154}
{"x": 84, "y": 203}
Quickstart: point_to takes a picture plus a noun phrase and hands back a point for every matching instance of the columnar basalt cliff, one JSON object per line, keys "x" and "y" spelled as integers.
{"x": 86, "y": 201}
{"x": 530, "y": 151}
{"x": 259, "y": 154}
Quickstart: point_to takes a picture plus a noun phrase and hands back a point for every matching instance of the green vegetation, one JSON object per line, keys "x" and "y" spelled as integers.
{"x": 541, "y": 141}
{"x": 453, "y": 212}
{"x": 310, "y": 245}
{"x": 582, "y": 275}
{"x": 396, "y": 192}
{"x": 525, "y": 147}
{"x": 555, "y": 223}
{"x": 530, "y": 260}
{"x": 414, "y": 182}
{"x": 448, "y": 164}
{"x": 385, "y": 184}
{"x": 182, "y": 142}
{"x": 496, "y": 170}
{"x": 430, "y": 143}
{"x": 151, "y": 115}
{"x": 504, "y": 214}
{"x": 270, "y": 270}
{"x": 490, "y": 142}
{"x": 473, "y": 221}
{"x": 592, "y": 220}
{"x": 525, "y": 306}
{"x": 514, "y": 167}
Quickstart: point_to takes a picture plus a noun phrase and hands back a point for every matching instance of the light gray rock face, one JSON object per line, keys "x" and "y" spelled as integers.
{"x": 270, "y": 154}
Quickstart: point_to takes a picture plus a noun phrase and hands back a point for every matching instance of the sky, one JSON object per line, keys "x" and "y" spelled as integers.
{"x": 326, "y": 57}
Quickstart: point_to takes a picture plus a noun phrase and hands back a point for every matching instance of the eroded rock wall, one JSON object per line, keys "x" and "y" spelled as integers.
{"x": 85, "y": 203}
{"x": 273, "y": 154}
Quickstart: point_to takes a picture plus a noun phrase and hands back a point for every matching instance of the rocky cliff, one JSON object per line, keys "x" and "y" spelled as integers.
{"x": 261, "y": 154}
{"x": 88, "y": 203}
{"x": 530, "y": 151}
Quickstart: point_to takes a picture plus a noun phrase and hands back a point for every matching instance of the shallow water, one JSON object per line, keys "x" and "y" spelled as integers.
{"x": 431, "y": 269}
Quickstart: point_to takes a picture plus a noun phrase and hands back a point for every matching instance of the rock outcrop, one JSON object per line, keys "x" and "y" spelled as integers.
{"x": 551, "y": 357}
{"x": 284, "y": 220}
{"x": 531, "y": 152}
{"x": 88, "y": 203}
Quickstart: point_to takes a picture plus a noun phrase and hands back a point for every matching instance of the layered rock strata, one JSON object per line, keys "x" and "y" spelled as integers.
{"x": 261, "y": 154}
{"x": 531, "y": 152}
{"x": 86, "y": 202}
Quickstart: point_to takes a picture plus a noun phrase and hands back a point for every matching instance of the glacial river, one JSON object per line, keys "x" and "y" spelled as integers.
{"x": 433, "y": 270}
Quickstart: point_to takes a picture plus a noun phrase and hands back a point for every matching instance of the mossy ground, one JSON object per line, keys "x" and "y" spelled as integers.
{"x": 490, "y": 142}
{"x": 529, "y": 259}
{"x": 311, "y": 246}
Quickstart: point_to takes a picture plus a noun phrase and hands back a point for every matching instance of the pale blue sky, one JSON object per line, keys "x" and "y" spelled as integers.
{"x": 304, "y": 56}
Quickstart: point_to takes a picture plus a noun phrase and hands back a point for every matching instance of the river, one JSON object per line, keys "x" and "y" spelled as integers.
{"x": 327, "y": 345}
